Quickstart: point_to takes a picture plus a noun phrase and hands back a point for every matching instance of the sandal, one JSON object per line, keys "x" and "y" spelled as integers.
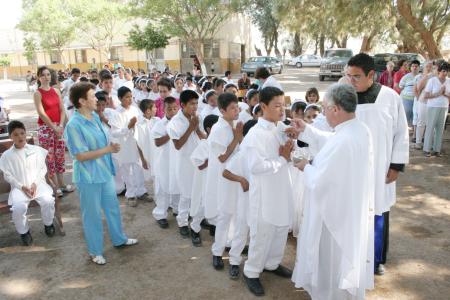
{"x": 59, "y": 193}
{"x": 68, "y": 188}
{"x": 99, "y": 260}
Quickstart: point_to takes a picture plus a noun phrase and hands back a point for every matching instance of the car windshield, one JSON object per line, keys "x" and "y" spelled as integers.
{"x": 338, "y": 53}
{"x": 258, "y": 59}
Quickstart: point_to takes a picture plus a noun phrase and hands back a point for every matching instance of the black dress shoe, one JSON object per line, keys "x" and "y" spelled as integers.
{"x": 212, "y": 230}
{"x": 204, "y": 224}
{"x": 281, "y": 271}
{"x": 245, "y": 250}
{"x": 27, "y": 240}
{"x": 379, "y": 270}
{"x": 163, "y": 223}
{"x": 196, "y": 238}
{"x": 49, "y": 230}
{"x": 227, "y": 249}
{"x": 217, "y": 262}
{"x": 234, "y": 272}
{"x": 184, "y": 231}
{"x": 254, "y": 285}
{"x": 122, "y": 193}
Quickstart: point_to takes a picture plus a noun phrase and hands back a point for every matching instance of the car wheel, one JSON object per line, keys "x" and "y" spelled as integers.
{"x": 321, "y": 77}
{"x": 299, "y": 65}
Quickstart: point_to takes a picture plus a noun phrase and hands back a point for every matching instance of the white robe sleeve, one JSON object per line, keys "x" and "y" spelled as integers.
{"x": 315, "y": 138}
{"x": 400, "y": 146}
{"x": 118, "y": 129}
{"x": 263, "y": 166}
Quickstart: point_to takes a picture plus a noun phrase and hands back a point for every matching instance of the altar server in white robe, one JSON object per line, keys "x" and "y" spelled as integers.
{"x": 23, "y": 166}
{"x": 335, "y": 249}
{"x": 199, "y": 158}
{"x": 221, "y": 194}
{"x": 144, "y": 137}
{"x": 270, "y": 198}
{"x": 166, "y": 187}
{"x": 185, "y": 133}
{"x": 381, "y": 109}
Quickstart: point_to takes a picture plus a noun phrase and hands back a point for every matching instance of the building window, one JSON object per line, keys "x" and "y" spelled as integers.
{"x": 80, "y": 56}
{"x": 117, "y": 53}
{"x": 211, "y": 49}
{"x": 55, "y": 57}
{"x": 186, "y": 51}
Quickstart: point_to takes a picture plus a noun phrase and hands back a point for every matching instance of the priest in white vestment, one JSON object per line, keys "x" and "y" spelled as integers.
{"x": 335, "y": 249}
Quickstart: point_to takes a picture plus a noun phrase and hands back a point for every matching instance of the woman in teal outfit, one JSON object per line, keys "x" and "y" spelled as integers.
{"x": 93, "y": 172}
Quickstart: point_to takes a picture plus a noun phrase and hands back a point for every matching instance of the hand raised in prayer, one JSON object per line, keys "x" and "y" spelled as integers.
{"x": 238, "y": 132}
{"x": 286, "y": 149}
{"x": 193, "y": 123}
{"x": 244, "y": 184}
{"x": 301, "y": 164}
{"x": 114, "y": 147}
{"x": 132, "y": 122}
{"x": 391, "y": 176}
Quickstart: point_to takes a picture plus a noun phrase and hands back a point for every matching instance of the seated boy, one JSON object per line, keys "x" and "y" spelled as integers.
{"x": 24, "y": 168}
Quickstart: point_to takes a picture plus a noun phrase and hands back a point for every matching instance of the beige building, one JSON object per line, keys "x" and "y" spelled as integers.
{"x": 226, "y": 51}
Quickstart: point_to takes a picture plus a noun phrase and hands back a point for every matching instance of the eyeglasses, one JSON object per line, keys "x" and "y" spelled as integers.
{"x": 353, "y": 77}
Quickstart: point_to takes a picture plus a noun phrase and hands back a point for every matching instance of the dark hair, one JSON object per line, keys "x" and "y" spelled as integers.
{"x": 401, "y": 62}
{"x": 227, "y": 73}
{"x": 94, "y": 81}
{"x": 363, "y": 61}
{"x": 219, "y": 82}
{"x": 75, "y": 71}
{"x": 253, "y": 86}
{"x": 443, "y": 67}
{"x": 415, "y": 62}
{"x": 122, "y": 91}
{"x": 84, "y": 79}
{"x": 14, "y": 124}
{"x": 188, "y": 95}
{"x": 39, "y": 72}
{"x": 209, "y": 121}
{"x": 297, "y": 106}
{"x": 251, "y": 94}
{"x": 209, "y": 94}
{"x": 165, "y": 82}
{"x": 257, "y": 109}
{"x": 228, "y": 85}
{"x": 189, "y": 78}
{"x": 105, "y": 74}
{"x": 79, "y": 90}
{"x": 207, "y": 86}
{"x": 248, "y": 125}
{"x": 149, "y": 83}
{"x": 268, "y": 93}
{"x": 101, "y": 96}
{"x": 146, "y": 104}
{"x": 169, "y": 100}
{"x": 225, "y": 99}
{"x": 54, "y": 77}
{"x": 312, "y": 107}
{"x": 310, "y": 91}
{"x": 262, "y": 73}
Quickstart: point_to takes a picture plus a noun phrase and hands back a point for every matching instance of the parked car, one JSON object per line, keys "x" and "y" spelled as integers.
{"x": 381, "y": 59}
{"x": 333, "y": 62}
{"x": 272, "y": 63}
{"x": 305, "y": 60}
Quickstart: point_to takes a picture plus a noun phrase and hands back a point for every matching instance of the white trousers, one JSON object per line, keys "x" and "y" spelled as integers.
{"x": 421, "y": 121}
{"x": 266, "y": 250}
{"x": 19, "y": 209}
{"x": 133, "y": 176}
{"x": 224, "y": 231}
{"x": 239, "y": 241}
{"x": 183, "y": 211}
{"x": 173, "y": 203}
{"x": 118, "y": 179}
{"x": 162, "y": 200}
{"x": 197, "y": 219}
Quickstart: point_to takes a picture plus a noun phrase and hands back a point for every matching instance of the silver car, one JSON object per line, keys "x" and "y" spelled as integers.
{"x": 305, "y": 60}
{"x": 272, "y": 63}
{"x": 334, "y": 62}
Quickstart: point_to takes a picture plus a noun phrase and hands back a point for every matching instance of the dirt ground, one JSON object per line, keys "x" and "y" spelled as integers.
{"x": 165, "y": 266}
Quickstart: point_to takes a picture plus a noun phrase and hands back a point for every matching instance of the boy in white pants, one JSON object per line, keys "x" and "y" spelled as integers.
{"x": 24, "y": 168}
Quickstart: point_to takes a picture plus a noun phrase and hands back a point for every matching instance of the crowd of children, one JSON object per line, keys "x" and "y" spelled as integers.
{"x": 214, "y": 159}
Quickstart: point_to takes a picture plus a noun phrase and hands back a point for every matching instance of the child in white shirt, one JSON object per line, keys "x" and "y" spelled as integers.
{"x": 199, "y": 158}
{"x": 166, "y": 187}
{"x": 185, "y": 133}
{"x": 221, "y": 194}
{"x": 23, "y": 166}
{"x": 123, "y": 125}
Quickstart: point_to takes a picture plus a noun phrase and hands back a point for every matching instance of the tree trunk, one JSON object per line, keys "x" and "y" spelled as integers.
{"x": 275, "y": 43}
{"x": 322, "y": 44}
{"x": 258, "y": 51}
{"x": 404, "y": 9}
{"x": 198, "y": 48}
{"x": 366, "y": 45}
{"x": 298, "y": 46}
{"x": 343, "y": 43}
{"x": 316, "y": 45}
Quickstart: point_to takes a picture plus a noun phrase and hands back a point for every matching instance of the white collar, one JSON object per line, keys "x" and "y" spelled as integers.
{"x": 344, "y": 124}
{"x": 266, "y": 124}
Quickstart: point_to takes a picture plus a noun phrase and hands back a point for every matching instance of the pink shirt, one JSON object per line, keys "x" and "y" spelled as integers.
{"x": 159, "y": 103}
